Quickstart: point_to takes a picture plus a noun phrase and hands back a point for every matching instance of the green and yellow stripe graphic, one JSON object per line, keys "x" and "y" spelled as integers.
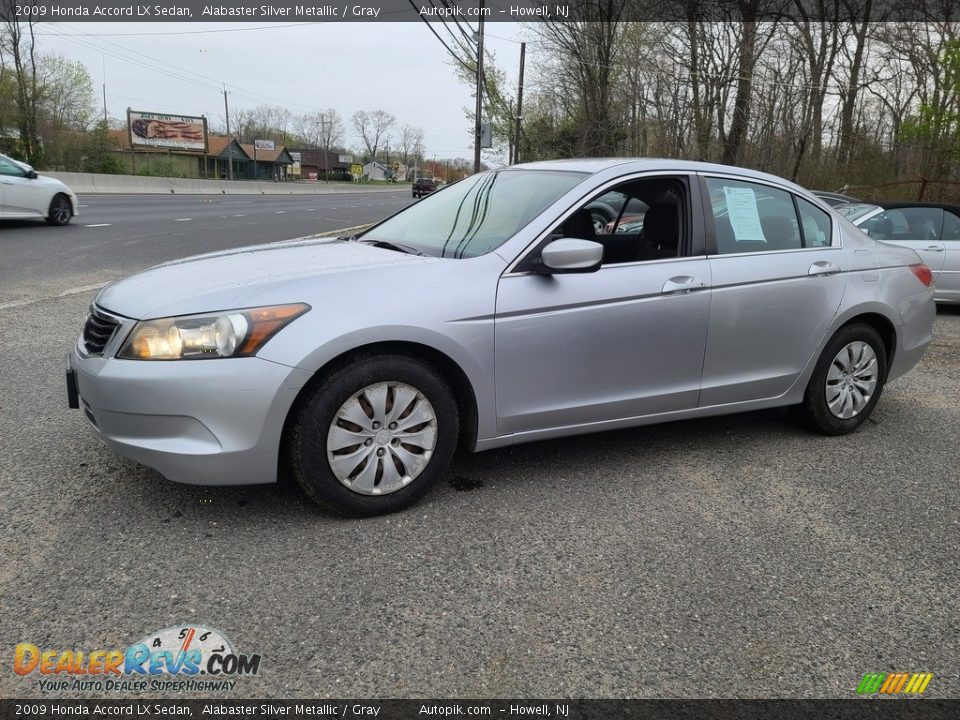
{"x": 894, "y": 683}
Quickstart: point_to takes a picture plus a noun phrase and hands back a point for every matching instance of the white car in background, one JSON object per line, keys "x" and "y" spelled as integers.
{"x": 24, "y": 194}
{"x": 931, "y": 229}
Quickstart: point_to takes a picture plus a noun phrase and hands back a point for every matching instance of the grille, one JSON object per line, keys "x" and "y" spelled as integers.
{"x": 97, "y": 332}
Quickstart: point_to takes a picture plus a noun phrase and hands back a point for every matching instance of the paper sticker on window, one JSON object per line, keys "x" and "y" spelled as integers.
{"x": 743, "y": 215}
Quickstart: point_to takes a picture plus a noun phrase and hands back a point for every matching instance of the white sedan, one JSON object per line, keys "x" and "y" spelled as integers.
{"x": 931, "y": 229}
{"x": 24, "y": 194}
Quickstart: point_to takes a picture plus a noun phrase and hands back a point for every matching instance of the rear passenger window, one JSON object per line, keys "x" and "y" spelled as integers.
{"x": 749, "y": 217}
{"x": 815, "y": 223}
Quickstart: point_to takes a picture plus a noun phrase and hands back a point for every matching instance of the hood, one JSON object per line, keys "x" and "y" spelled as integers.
{"x": 244, "y": 277}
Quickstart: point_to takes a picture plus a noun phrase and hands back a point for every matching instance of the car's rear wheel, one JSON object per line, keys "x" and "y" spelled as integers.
{"x": 847, "y": 381}
{"x": 60, "y": 210}
{"x": 374, "y": 436}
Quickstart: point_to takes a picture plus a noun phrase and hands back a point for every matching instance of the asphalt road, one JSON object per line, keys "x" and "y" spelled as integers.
{"x": 730, "y": 557}
{"x": 114, "y": 235}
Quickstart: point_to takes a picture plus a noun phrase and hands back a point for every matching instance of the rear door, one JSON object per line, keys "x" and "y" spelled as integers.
{"x": 948, "y": 282}
{"x": 778, "y": 279}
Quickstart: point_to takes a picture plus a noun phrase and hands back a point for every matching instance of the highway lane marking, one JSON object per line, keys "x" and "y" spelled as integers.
{"x": 182, "y": 219}
{"x": 100, "y": 225}
{"x": 239, "y": 215}
{"x": 279, "y": 212}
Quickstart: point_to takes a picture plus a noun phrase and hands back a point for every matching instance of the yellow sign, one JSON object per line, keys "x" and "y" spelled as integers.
{"x": 356, "y": 169}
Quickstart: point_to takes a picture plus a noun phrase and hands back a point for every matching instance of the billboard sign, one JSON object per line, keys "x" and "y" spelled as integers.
{"x": 264, "y": 145}
{"x": 175, "y": 132}
{"x": 346, "y": 159}
{"x": 296, "y": 157}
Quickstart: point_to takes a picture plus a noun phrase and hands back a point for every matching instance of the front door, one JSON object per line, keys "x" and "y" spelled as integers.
{"x": 622, "y": 342}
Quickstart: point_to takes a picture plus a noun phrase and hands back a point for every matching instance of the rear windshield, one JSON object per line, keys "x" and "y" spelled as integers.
{"x": 476, "y": 215}
{"x": 423, "y": 181}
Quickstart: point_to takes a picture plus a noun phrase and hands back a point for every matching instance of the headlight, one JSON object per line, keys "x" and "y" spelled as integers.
{"x": 232, "y": 333}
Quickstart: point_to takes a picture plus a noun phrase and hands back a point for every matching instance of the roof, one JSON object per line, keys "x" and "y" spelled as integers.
{"x": 627, "y": 165}
{"x": 955, "y": 209}
{"x": 279, "y": 155}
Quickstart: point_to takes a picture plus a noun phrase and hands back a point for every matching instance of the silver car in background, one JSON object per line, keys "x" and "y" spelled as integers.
{"x": 493, "y": 312}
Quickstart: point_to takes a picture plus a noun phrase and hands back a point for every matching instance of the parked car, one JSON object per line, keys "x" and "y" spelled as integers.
{"x": 931, "y": 229}
{"x": 492, "y": 314}
{"x": 834, "y": 199}
{"x": 423, "y": 186}
{"x": 25, "y": 194}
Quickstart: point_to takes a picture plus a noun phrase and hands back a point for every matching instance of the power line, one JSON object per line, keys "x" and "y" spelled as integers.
{"x": 189, "y": 32}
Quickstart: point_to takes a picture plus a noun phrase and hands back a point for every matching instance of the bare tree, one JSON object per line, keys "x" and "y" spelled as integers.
{"x": 410, "y": 140}
{"x": 373, "y": 128}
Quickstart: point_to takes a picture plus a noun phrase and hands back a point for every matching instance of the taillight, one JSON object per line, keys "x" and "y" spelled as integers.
{"x": 923, "y": 274}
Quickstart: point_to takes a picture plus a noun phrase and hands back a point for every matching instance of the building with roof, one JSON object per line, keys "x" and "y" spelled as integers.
{"x": 267, "y": 164}
{"x": 317, "y": 164}
{"x": 249, "y": 163}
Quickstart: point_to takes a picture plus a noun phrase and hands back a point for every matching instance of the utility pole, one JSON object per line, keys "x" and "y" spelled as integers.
{"x": 104, "y": 59}
{"x": 323, "y": 130}
{"x": 226, "y": 110}
{"x": 516, "y": 137}
{"x": 476, "y": 138}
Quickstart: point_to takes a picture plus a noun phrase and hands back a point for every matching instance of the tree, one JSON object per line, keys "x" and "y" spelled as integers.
{"x": 411, "y": 145}
{"x": 373, "y": 129}
{"x": 19, "y": 48}
{"x": 322, "y": 128}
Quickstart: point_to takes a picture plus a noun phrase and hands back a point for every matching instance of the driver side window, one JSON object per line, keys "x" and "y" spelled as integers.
{"x": 636, "y": 221}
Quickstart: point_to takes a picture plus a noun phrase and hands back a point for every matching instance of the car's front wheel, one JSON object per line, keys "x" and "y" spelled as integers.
{"x": 60, "y": 210}
{"x": 373, "y": 436}
{"x": 847, "y": 381}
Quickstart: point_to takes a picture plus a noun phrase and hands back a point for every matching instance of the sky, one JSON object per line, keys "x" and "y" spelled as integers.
{"x": 398, "y": 67}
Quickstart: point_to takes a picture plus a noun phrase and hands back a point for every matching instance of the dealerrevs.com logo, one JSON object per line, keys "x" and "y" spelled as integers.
{"x": 188, "y": 657}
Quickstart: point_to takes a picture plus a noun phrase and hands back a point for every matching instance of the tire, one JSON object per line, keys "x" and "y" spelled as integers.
{"x": 600, "y": 221}
{"x": 60, "y": 210}
{"x": 831, "y": 378}
{"x": 321, "y": 430}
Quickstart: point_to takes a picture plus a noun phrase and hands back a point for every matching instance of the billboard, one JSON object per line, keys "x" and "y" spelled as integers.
{"x": 264, "y": 145}
{"x": 346, "y": 159}
{"x": 176, "y": 132}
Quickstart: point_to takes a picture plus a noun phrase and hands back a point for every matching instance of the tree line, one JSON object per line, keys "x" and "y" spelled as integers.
{"x": 826, "y": 102}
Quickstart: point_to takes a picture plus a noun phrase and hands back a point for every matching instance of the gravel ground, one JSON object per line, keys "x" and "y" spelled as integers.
{"x": 730, "y": 557}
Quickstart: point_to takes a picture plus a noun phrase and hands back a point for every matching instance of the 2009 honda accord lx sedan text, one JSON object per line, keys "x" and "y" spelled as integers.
{"x": 492, "y": 312}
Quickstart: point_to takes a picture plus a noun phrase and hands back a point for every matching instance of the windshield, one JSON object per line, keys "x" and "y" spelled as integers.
{"x": 475, "y": 215}
{"x": 852, "y": 211}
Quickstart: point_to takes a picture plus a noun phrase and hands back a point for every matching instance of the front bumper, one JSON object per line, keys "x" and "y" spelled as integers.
{"x": 201, "y": 422}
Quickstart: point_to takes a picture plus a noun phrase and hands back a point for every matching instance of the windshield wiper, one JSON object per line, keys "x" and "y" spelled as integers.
{"x": 387, "y": 245}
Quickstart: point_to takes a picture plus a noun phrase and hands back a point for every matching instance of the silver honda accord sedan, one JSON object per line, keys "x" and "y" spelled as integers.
{"x": 497, "y": 311}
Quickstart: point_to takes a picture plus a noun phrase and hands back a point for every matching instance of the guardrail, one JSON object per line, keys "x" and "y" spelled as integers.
{"x": 93, "y": 183}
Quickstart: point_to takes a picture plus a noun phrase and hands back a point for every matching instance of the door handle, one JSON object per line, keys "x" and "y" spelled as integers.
{"x": 934, "y": 248}
{"x": 823, "y": 267}
{"x": 681, "y": 283}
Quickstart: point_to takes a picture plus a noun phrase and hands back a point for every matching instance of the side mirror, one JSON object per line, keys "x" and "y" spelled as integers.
{"x": 31, "y": 174}
{"x": 571, "y": 255}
